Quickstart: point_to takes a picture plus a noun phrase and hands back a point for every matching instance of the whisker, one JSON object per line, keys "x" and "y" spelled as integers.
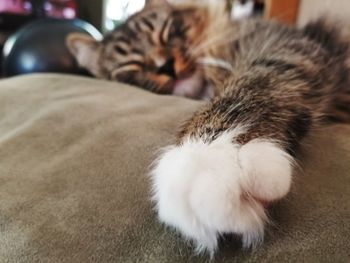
{"x": 215, "y": 62}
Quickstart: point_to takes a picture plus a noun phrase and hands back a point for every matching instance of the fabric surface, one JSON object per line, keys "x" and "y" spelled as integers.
{"x": 74, "y": 156}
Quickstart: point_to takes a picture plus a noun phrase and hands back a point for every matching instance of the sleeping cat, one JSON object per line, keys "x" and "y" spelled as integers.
{"x": 269, "y": 86}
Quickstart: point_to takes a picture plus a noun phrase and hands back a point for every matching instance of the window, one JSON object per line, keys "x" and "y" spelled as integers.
{"x": 116, "y": 11}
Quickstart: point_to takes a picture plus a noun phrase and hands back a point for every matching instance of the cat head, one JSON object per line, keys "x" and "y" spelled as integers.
{"x": 151, "y": 49}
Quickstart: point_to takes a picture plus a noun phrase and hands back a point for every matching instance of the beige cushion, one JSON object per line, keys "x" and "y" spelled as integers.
{"x": 74, "y": 156}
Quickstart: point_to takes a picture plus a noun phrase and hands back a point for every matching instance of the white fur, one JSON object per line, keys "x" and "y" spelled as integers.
{"x": 216, "y": 62}
{"x": 208, "y": 189}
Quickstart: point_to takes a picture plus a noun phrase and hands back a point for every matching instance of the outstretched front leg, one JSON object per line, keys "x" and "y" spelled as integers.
{"x": 231, "y": 159}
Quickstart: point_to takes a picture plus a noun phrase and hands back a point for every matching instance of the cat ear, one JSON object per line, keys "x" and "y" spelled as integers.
{"x": 86, "y": 51}
{"x": 155, "y": 2}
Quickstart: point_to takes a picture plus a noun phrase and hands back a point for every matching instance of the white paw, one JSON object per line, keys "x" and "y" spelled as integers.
{"x": 205, "y": 190}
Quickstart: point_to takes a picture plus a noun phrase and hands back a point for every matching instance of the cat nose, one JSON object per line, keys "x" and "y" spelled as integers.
{"x": 168, "y": 68}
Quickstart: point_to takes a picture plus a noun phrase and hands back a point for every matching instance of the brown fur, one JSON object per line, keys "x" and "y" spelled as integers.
{"x": 150, "y": 50}
{"x": 283, "y": 81}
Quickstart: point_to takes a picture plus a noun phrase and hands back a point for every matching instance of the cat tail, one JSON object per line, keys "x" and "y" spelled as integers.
{"x": 340, "y": 111}
{"x": 334, "y": 37}
{"x": 213, "y": 182}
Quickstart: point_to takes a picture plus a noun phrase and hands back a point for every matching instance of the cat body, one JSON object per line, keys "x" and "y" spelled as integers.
{"x": 269, "y": 86}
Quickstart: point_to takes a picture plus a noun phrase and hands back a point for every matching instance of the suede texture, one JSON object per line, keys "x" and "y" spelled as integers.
{"x": 74, "y": 157}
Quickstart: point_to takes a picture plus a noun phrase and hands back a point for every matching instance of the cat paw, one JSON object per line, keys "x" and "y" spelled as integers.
{"x": 205, "y": 190}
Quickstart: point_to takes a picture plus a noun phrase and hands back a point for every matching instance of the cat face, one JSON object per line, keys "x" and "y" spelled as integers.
{"x": 152, "y": 50}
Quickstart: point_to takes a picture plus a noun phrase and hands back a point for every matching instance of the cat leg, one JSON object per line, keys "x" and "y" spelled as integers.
{"x": 206, "y": 185}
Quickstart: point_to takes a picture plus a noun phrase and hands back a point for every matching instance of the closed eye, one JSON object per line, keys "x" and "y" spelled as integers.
{"x": 127, "y": 67}
{"x": 120, "y": 50}
{"x": 132, "y": 62}
{"x": 164, "y": 32}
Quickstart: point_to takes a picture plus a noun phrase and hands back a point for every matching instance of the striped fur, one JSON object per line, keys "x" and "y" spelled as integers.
{"x": 270, "y": 85}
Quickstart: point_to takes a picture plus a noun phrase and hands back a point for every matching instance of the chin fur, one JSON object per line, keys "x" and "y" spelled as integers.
{"x": 205, "y": 190}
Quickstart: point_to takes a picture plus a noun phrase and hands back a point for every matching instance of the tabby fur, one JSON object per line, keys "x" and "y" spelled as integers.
{"x": 269, "y": 86}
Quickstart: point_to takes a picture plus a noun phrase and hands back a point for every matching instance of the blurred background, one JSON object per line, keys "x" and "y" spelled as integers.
{"x": 107, "y": 14}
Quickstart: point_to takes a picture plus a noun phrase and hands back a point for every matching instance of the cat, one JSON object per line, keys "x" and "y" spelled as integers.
{"x": 269, "y": 86}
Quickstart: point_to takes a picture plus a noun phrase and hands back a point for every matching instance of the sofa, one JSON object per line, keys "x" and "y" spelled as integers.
{"x": 75, "y": 153}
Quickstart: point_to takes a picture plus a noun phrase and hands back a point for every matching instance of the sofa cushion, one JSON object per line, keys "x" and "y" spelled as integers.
{"x": 74, "y": 157}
